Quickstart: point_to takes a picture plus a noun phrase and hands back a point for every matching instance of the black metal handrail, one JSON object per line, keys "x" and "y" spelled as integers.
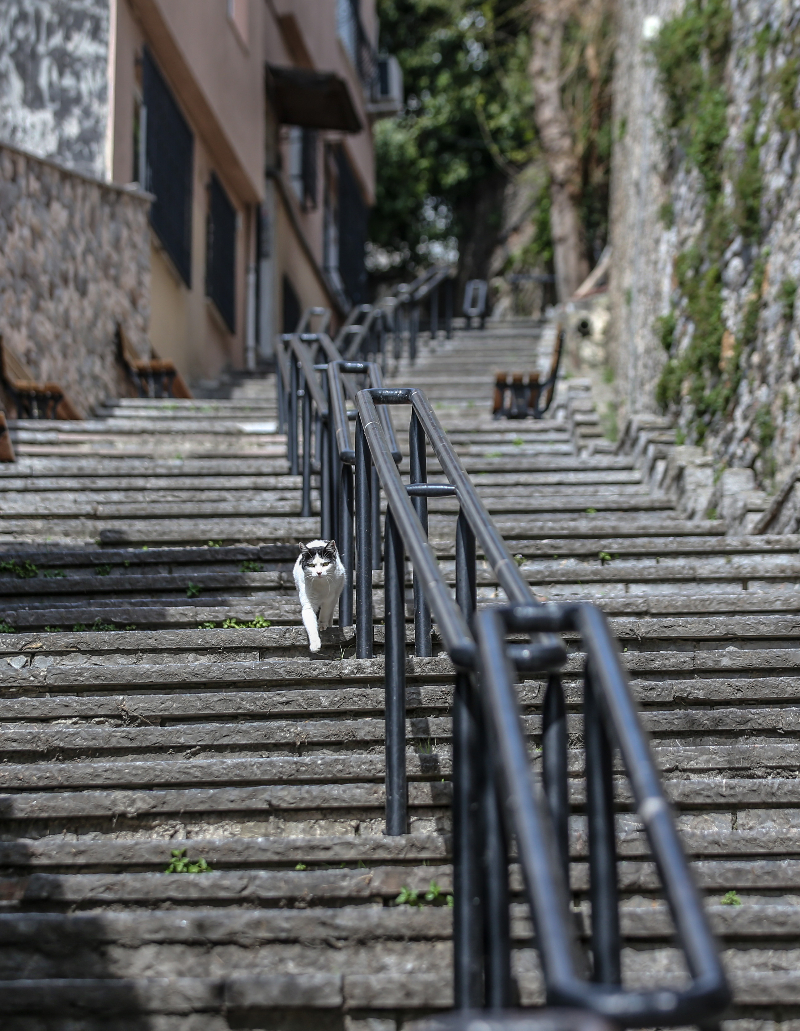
{"x": 538, "y": 815}
{"x": 495, "y": 792}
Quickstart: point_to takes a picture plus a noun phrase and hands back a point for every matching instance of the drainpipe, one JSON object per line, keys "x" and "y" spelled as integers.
{"x": 250, "y": 340}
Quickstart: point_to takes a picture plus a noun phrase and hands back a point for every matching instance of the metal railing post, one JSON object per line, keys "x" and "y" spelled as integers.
{"x": 434, "y": 314}
{"x": 294, "y": 465}
{"x": 419, "y": 474}
{"x": 305, "y": 511}
{"x": 375, "y": 510}
{"x": 467, "y": 796}
{"x": 497, "y": 934}
{"x": 554, "y": 765}
{"x": 326, "y": 506}
{"x": 363, "y": 512}
{"x": 395, "y": 676}
{"x": 345, "y": 542}
{"x": 603, "y": 893}
{"x": 448, "y": 308}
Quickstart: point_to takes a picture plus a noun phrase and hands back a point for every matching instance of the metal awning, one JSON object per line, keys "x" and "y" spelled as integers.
{"x": 315, "y": 100}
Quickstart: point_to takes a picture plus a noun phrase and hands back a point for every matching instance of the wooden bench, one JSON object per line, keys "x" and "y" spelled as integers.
{"x": 153, "y": 376}
{"x": 32, "y": 400}
{"x": 523, "y": 395}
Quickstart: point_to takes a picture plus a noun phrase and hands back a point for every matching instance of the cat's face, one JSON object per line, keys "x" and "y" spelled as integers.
{"x": 318, "y": 558}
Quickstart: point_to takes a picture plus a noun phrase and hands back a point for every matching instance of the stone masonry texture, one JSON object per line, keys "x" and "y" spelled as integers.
{"x": 74, "y": 261}
{"x": 54, "y": 79}
{"x": 649, "y": 177}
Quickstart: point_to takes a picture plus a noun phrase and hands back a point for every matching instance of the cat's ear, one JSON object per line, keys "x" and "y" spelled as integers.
{"x": 330, "y": 549}
{"x": 304, "y": 551}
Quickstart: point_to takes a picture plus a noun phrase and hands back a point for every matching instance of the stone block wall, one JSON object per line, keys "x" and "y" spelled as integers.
{"x": 74, "y": 261}
{"x": 54, "y": 79}
{"x": 660, "y": 212}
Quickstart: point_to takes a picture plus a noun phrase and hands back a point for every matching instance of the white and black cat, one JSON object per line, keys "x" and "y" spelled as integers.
{"x": 319, "y": 577}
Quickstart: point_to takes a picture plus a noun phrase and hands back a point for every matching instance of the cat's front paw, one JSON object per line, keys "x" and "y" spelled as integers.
{"x": 314, "y": 644}
{"x": 324, "y": 626}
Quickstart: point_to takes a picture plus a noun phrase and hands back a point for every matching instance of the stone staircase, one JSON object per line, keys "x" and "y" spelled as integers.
{"x": 159, "y": 706}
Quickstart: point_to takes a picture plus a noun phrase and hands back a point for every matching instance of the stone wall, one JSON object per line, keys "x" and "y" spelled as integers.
{"x": 661, "y": 216}
{"x": 74, "y": 260}
{"x": 54, "y": 79}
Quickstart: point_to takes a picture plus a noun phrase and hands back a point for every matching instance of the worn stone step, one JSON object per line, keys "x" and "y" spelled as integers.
{"x": 428, "y": 757}
{"x": 363, "y": 798}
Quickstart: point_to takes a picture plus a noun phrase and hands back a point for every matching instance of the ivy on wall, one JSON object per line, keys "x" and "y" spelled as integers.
{"x": 691, "y": 53}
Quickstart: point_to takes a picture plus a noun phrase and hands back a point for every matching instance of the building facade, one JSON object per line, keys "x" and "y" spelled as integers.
{"x": 249, "y": 121}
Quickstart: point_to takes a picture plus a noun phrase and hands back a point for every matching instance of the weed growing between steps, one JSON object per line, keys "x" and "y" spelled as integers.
{"x": 21, "y": 570}
{"x": 180, "y": 863}
{"x": 434, "y": 896}
{"x": 259, "y": 623}
{"x": 730, "y": 898}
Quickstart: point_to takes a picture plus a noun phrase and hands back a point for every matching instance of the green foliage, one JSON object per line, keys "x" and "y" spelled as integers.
{"x": 784, "y": 80}
{"x": 179, "y": 863}
{"x": 665, "y": 329}
{"x": 434, "y": 896}
{"x": 609, "y": 422}
{"x": 104, "y": 570}
{"x": 730, "y": 898}
{"x": 54, "y": 574}
{"x": 666, "y": 214}
{"x": 468, "y": 115}
{"x": 193, "y": 590}
{"x": 468, "y": 124}
{"x": 604, "y": 557}
{"x": 787, "y": 294}
{"x": 6, "y": 628}
{"x": 765, "y": 430}
{"x": 52, "y": 629}
{"x": 748, "y": 183}
{"x": 259, "y": 623}
{"x": 214, "y": 544}
{"x": 250, "y": 567}
{"x": 691, "y": 51}
{"x": 21, "y": 570}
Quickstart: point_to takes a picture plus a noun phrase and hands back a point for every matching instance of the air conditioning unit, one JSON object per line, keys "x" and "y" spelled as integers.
{"x": 387, "y": 89}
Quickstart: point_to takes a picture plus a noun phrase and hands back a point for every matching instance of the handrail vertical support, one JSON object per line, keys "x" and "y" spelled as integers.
{"x": 603, "y": 891}
{"x": 423, "y": 645}
{"x": 448, "y": 308}
{"x": 554, "y": 765}
{"x": 395, "y": 676}
{"x": 497, "y": 933}
{"x": 306, "y": 504}
{"x": 294, "y": 465}
{"x": 363, "y": 510}
{"x": 468, "y": 780}
{"x": 345, "y": 542}
{"x": 375, "y": 516}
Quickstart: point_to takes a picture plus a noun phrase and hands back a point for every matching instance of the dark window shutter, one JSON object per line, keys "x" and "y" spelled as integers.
{"x": 170, "y": 158}
{"x": 221, "y": 253}
{"x": 353, "y": 214}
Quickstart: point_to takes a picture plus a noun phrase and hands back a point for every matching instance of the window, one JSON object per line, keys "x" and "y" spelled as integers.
{"x": 353, "y": 215}
{"x": 168, "y": 164}
{"x": 347, "y": 26}
{"x": 221, "y": 253}
{"x": 303, "y": 165}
